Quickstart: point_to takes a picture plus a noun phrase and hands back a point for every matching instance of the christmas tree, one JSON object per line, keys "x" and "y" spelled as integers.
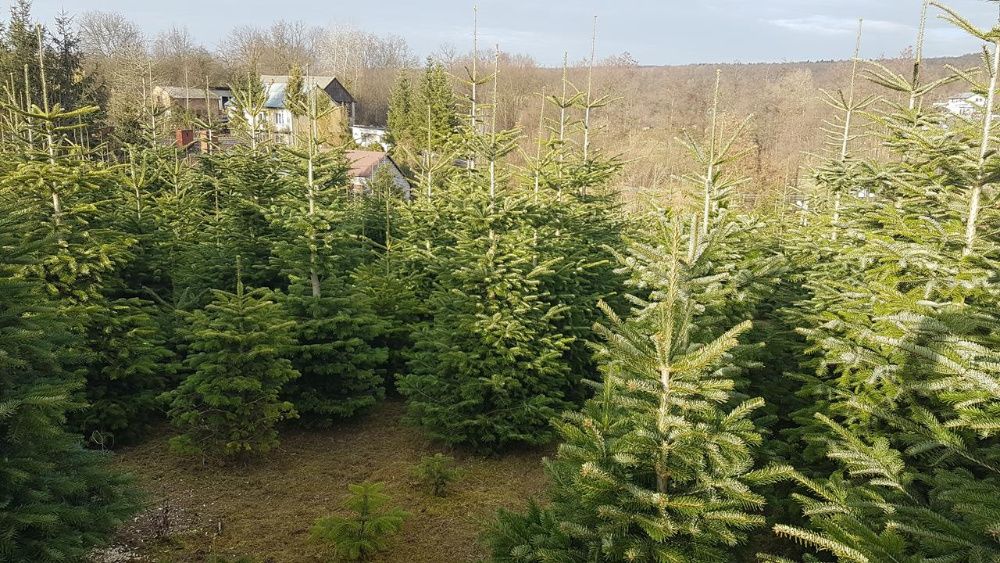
{"x": 230, "y": 402}
{"x": 57, "y": 499}
{"x": 658, "y": 465}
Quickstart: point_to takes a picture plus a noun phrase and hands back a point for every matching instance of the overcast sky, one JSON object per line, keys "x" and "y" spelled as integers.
{"x": 655, "y": 32}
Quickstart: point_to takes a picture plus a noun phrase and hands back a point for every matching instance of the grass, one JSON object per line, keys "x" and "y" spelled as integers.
{"x": 264, "y": 511}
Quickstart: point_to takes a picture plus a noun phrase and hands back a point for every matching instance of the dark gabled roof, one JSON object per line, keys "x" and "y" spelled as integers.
{"x": 339, "y": 93}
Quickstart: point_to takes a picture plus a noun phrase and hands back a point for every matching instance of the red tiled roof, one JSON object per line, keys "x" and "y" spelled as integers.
{"x": 364, "y": 163}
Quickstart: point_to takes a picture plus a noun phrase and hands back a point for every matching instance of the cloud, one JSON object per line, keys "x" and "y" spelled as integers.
{"x": 831, "y": 25}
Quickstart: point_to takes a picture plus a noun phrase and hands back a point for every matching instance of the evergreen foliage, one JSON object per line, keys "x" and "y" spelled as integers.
{"x": 401, "y": 116}
{"x": 658, "y": 465}
{"x": 900, "y": 358}
{"x": 336, "y": 353}
{"x": 127, "y": 370}
{"x": 487, "y": 370}
{"x": 337, "y": 332}
{"x": 509, "y": 269}
{"x": 245, "y": 183}
{"x": 423, "y": 119}
{"x": 57, "y": 499}
{"x": 230, "y": 402}
{"x": 367, "y": 530}
{"x": 434, "y": 106}
{"x": 435, "y": 472}
{"x": 582, "y": 231}
{"x": 66, "y": 80}
{"x": 66, "y": 192}
{"x": 512, "y": 300}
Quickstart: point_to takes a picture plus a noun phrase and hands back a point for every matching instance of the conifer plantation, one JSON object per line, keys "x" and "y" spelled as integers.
{"x": 696, "y": 376}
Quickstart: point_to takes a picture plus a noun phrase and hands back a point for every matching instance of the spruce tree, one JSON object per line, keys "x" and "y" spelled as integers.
{"x": 319, "y": 224}
{"x": 434, "y": 108}
{"x": 57, "y": 499}
{"x": 367, "y": 530}
{"x": 336, "y": 353}
{"x": 658, "y": 465}
{"x": 578, "y": 221}
{"x": 401, "y": 117}
{"x": 72, "y": 86}
{"x": 229, "y": 404}
{"x": 901, "y": 332}
{"x": 67, "y": 191}
{"x": 487, "y": 370}
{"x": 242, "y": 184}
{"x": 26, "y": 44}
{"x": 496, "y": 256}
{"x": 127, "y": 369}
{"x": 21, "y": 48}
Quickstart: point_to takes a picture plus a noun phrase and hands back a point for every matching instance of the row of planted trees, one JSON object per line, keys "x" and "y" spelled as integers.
{"x": 874, "y": 307}
{"x": 127, "y": 297}
{"x": 828, "y": 371}
{"x": 232, "y": 293}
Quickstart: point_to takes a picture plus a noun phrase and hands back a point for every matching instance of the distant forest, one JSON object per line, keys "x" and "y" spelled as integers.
{"x": 649, "y": 109}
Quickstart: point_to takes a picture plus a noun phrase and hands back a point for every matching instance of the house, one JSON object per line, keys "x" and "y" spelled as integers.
{"x": 368, "y": 135}
{"x": 284, "y": 125}
{"x": 200, "y": 102}
{"x": 330, "y": 85}
{"x": 364, "y": 166}
{"x": 967, "y": 104}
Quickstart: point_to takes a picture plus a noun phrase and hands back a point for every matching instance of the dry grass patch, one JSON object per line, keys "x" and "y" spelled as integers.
{"x": 264, "y": 511}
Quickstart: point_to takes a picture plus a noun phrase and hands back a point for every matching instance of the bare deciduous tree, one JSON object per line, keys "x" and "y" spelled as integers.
{"x": 275, "y": 49}
{"x": 367, "y": 64}
{"x": 180, "y": 60}
{"x": 109, "y": 35}
{"x": 115, "y": 49}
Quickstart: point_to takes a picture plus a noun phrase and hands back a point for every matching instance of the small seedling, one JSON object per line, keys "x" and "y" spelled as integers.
{"x": 366, "y": 530}
{"x": 436, "y": 473}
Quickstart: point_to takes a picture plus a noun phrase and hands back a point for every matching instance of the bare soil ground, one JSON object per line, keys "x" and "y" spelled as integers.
{"x": 263, "y": 512}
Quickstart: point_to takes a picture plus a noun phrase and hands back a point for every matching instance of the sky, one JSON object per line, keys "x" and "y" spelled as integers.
{"x": 654, "y": 32}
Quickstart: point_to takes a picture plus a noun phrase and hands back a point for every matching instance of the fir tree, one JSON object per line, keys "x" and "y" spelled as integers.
{"x": 434, "y": 104}
{"x": 658, "y": 465}
{"x": 26, "y": 45}
{"x": 71, "y": 86}
{"x": 462, "y": 249}
{"x": 244, "y": 184}
{"x": 249, "y": 101}
{"x": 296, "y": 98}
{"x": 900, "y": 325}
{"x": 336, "y": 352}
{"x": 229, "y": 404}
{"x": 127, "y": 369}
{"x": 21, "y": 53}
{"x": 488, "y": 370}
{"x": 395, "y": 302}
{"x": 583, "y": 232}
{"x": 335, "y": 327}
{"x": 66, "y": 191}
{"x": 57, "y": 499}
{"x": 366, "y": 531}
{"x": 401, "y": 118}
